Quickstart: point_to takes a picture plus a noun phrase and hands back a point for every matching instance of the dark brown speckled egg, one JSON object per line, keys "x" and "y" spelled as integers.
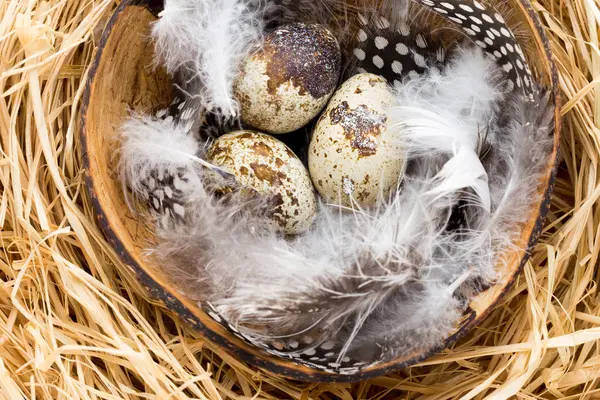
{"x": 288, "y": 81}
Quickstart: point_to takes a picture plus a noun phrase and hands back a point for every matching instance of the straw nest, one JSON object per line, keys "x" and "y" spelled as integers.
{"x": 73, "y": 324}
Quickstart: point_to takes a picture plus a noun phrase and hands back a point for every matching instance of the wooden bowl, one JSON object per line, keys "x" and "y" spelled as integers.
{"x": 122, "y": 79}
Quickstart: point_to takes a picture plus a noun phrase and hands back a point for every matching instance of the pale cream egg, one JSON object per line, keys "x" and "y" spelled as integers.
{"x": 353, "y": 157}
{"x": 266, "y": 165}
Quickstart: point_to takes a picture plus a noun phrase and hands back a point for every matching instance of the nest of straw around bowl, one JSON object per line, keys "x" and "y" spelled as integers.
{"x": 74, "y": 324}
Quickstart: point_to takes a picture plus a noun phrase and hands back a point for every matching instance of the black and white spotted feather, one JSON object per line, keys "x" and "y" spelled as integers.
{"x": 394, "y": 52}
{"x": 488, "y": 30}
{"x": 360, "y": 289}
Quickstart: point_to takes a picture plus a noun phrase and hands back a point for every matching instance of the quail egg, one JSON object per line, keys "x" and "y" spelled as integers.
{"x": 352, "y": 157}
{"x": 288, "y": 81}
{"x": 266, "y": 165}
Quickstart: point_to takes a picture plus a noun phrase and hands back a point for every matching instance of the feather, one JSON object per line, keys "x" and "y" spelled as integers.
{"x": 444, "y": 112}
{"x": 160, "y": 164}
{"x": 149, "y": 145}
{"x": 463, "y": 170}
{"x": 203, "y": 42}
{"x": 415, "y": 319}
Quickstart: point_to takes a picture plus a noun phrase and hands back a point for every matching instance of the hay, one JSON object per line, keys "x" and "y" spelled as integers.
{"x": 75, "y": 326}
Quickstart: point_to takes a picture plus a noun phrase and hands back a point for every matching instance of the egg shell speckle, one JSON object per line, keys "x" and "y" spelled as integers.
{"x": 268, "y": 166}
{"x": 352, "y": 154}
{"x": 286, "y": 83}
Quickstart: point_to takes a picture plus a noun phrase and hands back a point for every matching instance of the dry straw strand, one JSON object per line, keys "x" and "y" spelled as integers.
{"x": 75, "y": 325}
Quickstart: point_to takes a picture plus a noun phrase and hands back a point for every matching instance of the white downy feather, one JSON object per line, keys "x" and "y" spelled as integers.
{"x": 205, "y": 41}
{"x": 463, "y": 170}
{"x": 448, "y": 113}
{"x": 149, "y": 145}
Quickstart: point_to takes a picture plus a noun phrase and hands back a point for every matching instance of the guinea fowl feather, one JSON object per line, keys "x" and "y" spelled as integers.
{"x": 147, "y": 148}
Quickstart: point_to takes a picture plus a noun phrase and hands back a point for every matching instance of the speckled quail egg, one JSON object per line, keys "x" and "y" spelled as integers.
{"x": 352, "y": 155}
{"x": 266, "y": 165}
{"x": 288, "y": 81}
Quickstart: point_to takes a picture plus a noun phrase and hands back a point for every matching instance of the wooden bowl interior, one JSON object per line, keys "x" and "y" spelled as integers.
{"x": 123, "y": 79}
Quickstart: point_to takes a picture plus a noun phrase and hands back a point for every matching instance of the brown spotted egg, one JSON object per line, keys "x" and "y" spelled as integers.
{"x": 351, "y": 156}
{"x": 286, "y": 83}
{"x": 266, "y": 165}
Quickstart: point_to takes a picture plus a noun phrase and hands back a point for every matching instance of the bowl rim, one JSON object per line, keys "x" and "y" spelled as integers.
{"x": 246, "y": 352}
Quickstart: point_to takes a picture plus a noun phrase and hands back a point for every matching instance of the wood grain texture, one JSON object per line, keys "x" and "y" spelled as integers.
{"x": 122, "y": 79}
